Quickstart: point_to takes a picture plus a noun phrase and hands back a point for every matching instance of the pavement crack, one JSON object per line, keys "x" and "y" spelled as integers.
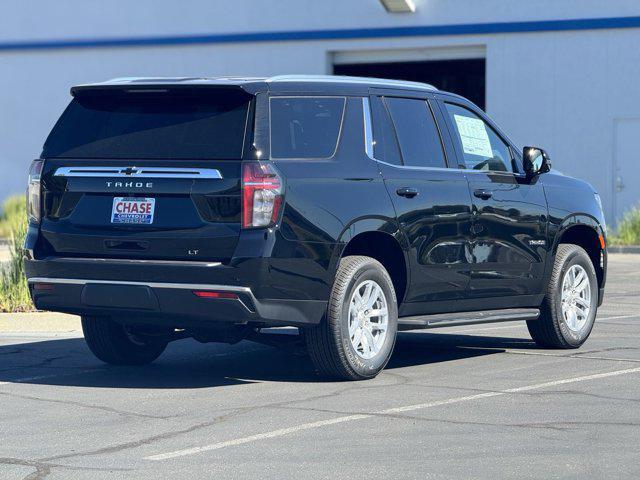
{"x": 222, "y": 418}
{"x": 148, "y": 440}
{"x": 43, "y": 469}
{"x": 574, "y": 355}
{"x": 397, "y": 416}
{"x": 43, "y": 363}
{"x": 556, "y": 426}
{"x": 88, "y": 405}
{"x": 584, "y": 394}
{"x": 12, "y": 351}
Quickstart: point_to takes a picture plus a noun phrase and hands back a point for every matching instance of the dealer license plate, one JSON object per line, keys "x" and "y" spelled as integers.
{"x": 133, "y": 210}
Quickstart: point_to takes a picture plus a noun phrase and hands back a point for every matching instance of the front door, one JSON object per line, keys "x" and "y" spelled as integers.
{"x": 432, "y": 202}
{"x": 509, "y": 230}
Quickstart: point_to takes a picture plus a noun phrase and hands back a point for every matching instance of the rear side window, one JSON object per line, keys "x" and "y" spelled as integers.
{"x": 305, "y": 127}
{"x": 151, "y": 125}
{"x": 481, "y": 147}
{"x": 417, "y": 133}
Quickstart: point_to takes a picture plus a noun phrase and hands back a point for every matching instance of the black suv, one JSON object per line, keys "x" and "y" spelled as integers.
{"x": 350, "y": 208}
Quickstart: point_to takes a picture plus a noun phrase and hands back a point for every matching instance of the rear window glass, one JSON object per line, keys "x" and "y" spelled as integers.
{"x": 305, "y": 127}
{"x": 151, "y": 125}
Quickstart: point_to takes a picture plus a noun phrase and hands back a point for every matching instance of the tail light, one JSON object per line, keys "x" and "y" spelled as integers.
{"x": 33, "y": 191}
{"x": 262, "y": 190}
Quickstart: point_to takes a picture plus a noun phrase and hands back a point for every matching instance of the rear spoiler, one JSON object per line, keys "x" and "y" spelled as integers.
{"x": 250, "y": 88}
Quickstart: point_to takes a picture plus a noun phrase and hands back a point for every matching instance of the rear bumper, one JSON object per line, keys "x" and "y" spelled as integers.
{"x": 159, "y": 293}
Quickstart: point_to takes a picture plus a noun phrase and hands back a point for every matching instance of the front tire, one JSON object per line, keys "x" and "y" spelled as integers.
{"x": 356, "y": 339}
{"x": 117, "y": 344}
{"x": 570, "y": 305}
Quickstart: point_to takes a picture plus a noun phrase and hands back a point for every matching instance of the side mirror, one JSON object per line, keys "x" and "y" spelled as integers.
{"x": 536, "y": 161}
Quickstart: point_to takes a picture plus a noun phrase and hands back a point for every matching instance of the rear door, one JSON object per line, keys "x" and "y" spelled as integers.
{"x": 509, "y": 229}
{"x": 432, "y": 202}
{"x": 146, "y": 174}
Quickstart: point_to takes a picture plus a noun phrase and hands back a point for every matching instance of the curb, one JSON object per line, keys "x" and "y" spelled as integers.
{"x": 624, "y": 249}
{"x": 39, "y": 322}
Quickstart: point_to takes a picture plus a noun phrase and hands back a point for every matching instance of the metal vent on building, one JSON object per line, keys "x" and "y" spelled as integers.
{"x": 399, "y": 6}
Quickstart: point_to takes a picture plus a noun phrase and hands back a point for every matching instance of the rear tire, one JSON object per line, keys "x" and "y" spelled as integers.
{"x": 570, "y": 305}
{"x": 356, "y": 339}
{"x": 116, "y": 344}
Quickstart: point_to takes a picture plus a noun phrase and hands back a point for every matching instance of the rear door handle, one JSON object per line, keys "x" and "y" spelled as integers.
{"x": 407, "y": 192}
{"x": 483, "y": 194}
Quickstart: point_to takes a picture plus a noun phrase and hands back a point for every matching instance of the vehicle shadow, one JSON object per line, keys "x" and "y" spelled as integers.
{"x": 188, "y": 365}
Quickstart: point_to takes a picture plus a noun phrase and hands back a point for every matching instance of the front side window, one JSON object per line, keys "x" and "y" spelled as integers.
{"x": 481, "y": 147}
{"x": 417, "y": 133}
{"x": 305, "y": 127}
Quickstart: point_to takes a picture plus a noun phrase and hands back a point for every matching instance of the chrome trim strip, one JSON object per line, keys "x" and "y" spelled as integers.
{"x": 368, "y": 128}
{"x": 185, "y": 286}
{"x": 135, "y": 261}
{"x": 138, "y": 172}
{"x": 453, "y": 169}
{"x": 180, "y": 286}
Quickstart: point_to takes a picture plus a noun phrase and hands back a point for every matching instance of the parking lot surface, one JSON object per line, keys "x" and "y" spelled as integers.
{"x": 465, "y": 402}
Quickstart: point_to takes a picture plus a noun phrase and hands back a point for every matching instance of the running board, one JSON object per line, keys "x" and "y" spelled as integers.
{"x": 467, "y": 318}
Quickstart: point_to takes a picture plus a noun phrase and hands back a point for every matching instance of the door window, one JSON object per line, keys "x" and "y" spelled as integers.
{"x": 481, "y": 147}
{"x": 418, "y": 136}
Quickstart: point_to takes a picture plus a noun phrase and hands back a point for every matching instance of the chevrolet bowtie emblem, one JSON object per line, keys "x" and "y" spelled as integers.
{"x": 129, "y": 171}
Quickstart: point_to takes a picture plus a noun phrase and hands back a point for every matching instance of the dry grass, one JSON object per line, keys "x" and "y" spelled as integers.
{"x": 628, "y": 231}
{"x": 14, "y": 292}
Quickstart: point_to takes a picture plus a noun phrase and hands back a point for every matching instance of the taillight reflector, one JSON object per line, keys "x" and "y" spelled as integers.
{"x": 210, "y": 294}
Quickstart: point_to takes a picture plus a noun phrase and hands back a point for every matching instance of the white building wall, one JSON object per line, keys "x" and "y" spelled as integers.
{"x": 560, "y": 90}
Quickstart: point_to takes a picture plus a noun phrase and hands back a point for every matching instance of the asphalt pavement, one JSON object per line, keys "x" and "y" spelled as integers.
{"x": 465, "y": 402}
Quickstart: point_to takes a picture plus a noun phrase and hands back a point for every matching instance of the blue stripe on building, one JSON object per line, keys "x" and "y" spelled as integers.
{"x": 335, "y": 34}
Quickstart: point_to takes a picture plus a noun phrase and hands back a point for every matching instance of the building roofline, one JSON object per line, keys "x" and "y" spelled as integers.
{"x": 329, "y": 34}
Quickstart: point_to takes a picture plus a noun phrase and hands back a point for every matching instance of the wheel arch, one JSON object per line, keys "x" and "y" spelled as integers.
{"x": 379, "y": 238}
{"x": 586, "y": 232}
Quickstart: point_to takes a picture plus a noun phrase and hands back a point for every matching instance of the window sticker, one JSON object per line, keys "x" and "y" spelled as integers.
{"x": 474, "y": 137}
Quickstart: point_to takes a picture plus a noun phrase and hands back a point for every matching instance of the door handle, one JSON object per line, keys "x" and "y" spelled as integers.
{"x": 483, "y": 194}
{"x": 407, "y": 192}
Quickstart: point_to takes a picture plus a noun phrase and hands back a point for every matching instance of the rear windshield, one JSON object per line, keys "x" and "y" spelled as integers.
{"x": 151, "y": 125}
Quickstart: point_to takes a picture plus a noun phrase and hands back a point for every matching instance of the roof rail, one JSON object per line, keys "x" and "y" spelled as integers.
{"x": 344, "y": 79}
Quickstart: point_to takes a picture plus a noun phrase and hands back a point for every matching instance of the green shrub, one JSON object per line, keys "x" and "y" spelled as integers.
{"x": 628, "y": 231}
{"x": 14, "y": 292}
{"x": 13, "y": 210}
